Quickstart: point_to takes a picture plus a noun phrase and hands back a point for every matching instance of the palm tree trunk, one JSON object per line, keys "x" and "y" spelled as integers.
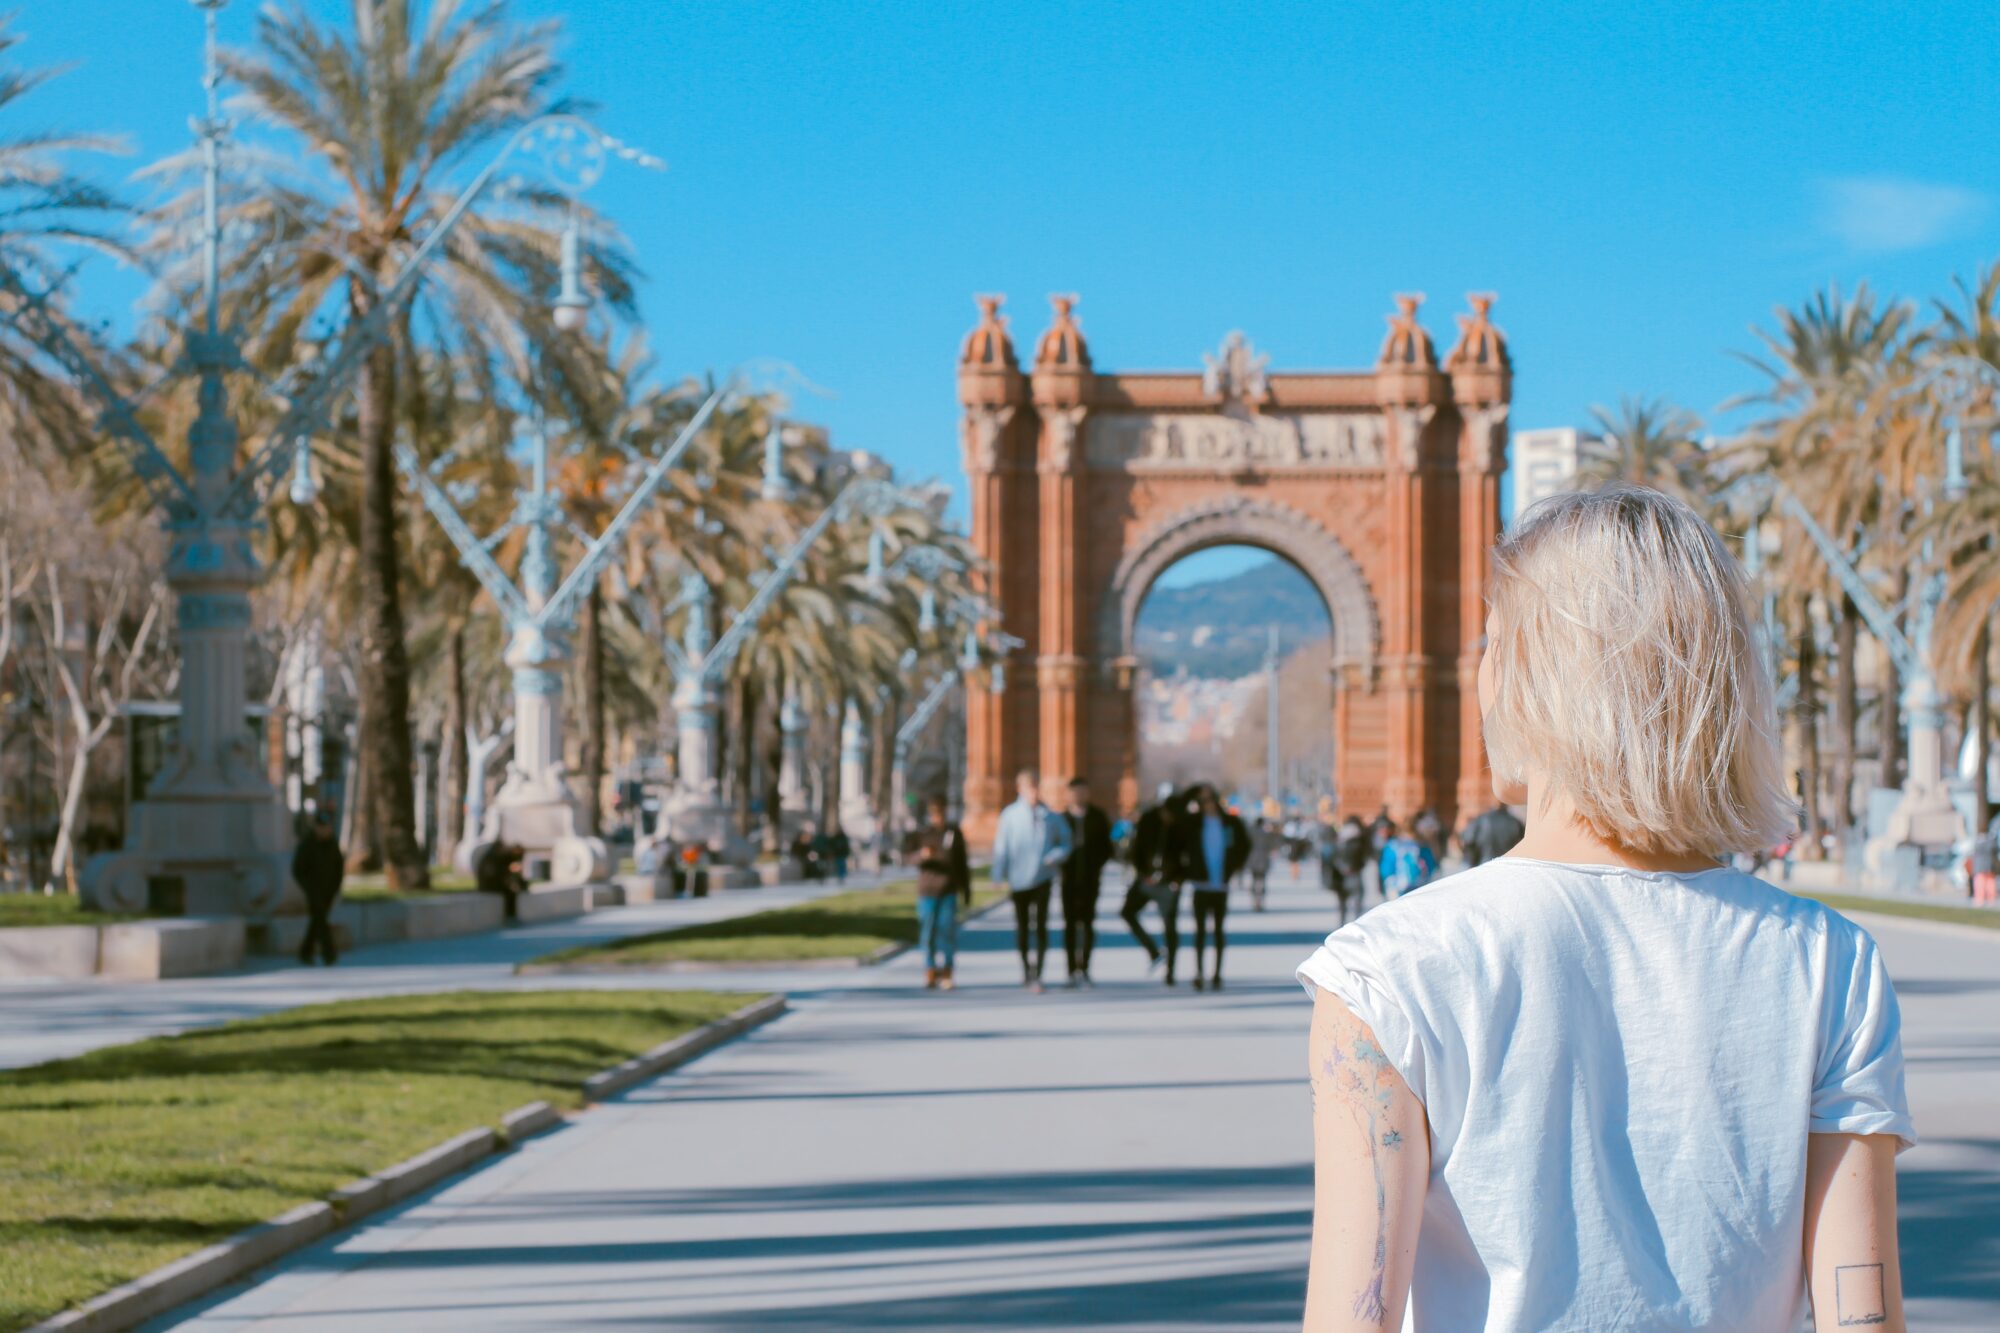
{"x": 746, "y": 749}
{"x": 364, "y": 844}
{"x": 1846, "y": 721}
{"x": 1808, "y": 706}
{"x": 1889, "y": 709}
{"x": 385, "y": 662}
{"x": 1982, "y": 715}
{"x": 774, "y": 761}
{"x": 457, "y": 758}
{"x": 593, "y": 709}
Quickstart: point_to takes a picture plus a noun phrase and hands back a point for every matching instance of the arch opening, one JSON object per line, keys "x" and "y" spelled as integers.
{"x": 1221, "y": 635}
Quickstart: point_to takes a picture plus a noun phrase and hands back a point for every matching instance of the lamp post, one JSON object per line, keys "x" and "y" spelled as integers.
{"x": 212, "y": 819}
{"x": 697, "y": 813}
{"x": 535, "y": 808}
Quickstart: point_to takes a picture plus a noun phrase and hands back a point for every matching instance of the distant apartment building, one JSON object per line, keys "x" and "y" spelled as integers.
{"x": 1544, "y": 464}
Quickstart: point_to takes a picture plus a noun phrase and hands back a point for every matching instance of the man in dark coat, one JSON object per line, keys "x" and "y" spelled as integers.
{"x": 1213, "y": 846}
{"x": 1490, "y": 835}
{"x": 318, "y": 867}
{"x": 1082, "y": 876}
{"x": 499, "y": 871}
{"x": 1156, "y": 877}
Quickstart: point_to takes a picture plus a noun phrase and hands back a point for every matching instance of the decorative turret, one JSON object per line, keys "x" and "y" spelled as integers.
{"x": 1062, "y": 359}
{"x": 988, "y": 374}
{"x": 1408, "y": 347}
{"x": 1480, "y": 368}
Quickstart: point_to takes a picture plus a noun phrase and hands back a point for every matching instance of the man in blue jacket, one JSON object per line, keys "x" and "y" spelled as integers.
{"x": 1029, "y": 848}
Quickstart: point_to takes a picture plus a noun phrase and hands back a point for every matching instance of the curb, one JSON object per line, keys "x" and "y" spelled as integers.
{"x": 217, "y": 1265}
{"x": 672, "y": 1054}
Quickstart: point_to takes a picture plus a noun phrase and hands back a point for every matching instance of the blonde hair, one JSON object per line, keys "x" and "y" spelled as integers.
{"x": 1625, "y": 671}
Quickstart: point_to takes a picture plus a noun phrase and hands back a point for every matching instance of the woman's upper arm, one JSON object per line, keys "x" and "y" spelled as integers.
{"x": 1371, "y": 1156}
{"x": 1852, "y": 1266}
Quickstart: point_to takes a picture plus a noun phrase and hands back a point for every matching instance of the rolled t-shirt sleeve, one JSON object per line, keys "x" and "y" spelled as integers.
{"x": 1859, "y": 1088}
{"x": 1346, "y": 968}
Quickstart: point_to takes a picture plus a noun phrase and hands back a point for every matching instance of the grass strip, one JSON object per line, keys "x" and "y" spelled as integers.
{"x": 843, "y": 925}
{"x": 124, "y": 1159}
{"x": 54, "y": 909}
{"x": 1984, "y": 917}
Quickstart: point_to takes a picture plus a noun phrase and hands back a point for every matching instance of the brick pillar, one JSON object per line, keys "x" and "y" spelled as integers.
{"x": 1482, "y": 385}
{"x": 1061, "y": 387}
{"x": 992, "y": 391}
{"x": 1408, "y": 674}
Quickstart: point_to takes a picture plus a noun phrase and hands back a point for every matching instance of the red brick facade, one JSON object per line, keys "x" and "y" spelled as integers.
{"x": 1382, "y": 486}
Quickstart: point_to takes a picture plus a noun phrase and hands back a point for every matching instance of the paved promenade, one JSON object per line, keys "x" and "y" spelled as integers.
{"x": 1127, "y": 1158}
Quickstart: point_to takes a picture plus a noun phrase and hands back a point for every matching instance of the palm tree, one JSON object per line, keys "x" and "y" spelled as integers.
{"x": 46, "y": 211}
{"x": 1836, "y": 419}
{"x": 389, "y": 111}
{"x": 1647, "y": 442}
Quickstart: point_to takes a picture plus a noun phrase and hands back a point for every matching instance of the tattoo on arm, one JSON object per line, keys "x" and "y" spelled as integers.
{"x": 1858, "y": 1297}
{"x": 1361, "y": 1075}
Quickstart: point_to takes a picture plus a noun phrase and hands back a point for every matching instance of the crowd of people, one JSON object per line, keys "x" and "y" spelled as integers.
{"x": 1190, "y": 846}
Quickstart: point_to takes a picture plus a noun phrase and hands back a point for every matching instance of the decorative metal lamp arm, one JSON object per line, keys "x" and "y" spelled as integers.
{"x": 926, "y": 710}
{"x": 1908, "y": 660}
{"x": 574, "y": 587}
{"x": 471, "y": 549}
{"x": 31, "y": 317}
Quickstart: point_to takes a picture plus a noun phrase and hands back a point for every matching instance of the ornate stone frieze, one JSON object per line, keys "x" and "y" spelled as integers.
{"x": 1411, "y": 423}
{"x": 1063, "y": 424}
{"x": 1166, "y": 440}
{"x": 984, "y": 429}
{"x": 1484, "y": 448}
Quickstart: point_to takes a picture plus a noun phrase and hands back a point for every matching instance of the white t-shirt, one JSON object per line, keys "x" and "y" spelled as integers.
{"x": 1620, "y": 1069}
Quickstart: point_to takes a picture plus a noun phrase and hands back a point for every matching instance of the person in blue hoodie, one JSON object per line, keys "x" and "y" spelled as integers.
{"x": 1029, "y": 848}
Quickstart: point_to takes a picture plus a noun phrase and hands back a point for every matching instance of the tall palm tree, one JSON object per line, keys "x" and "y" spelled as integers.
{"x": 47, "y": 211}
{"x": 1647, "y": 442}
{"x": 389, "y": 111}
{"x": 1835, "y": 418}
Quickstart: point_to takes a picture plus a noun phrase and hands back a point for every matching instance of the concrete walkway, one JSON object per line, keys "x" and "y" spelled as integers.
{"x": 47, "y": 1020}
{"x": 1129, "y": 1158}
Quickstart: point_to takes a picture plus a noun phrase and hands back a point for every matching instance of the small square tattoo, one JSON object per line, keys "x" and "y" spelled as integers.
{"x": 1857, "y": 1296}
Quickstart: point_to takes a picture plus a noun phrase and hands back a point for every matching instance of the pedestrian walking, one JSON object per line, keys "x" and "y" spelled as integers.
{"x": 1428, "y": 828}
{"x": 1405, "y": 864}
{"x": 1215, "y": 846}
{"x": 1082, "y": 878}
{"x": 1029, "y": 848}
{"x": 1491, "y": 834}
{"x": 944, "y": 891}
{"x": 1156, "y": 878}
{"x": 1606, "y": 1081}
{"x": 1264, "y": 839}
{"x": 318, "y": 867}
{"x": 839, "y": 847}
{"x": 809, "y": 851}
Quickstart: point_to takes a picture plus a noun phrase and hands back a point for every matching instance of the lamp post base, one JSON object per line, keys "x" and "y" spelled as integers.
{"x": 229, "y": 854}
{"x": 540, "y": 818}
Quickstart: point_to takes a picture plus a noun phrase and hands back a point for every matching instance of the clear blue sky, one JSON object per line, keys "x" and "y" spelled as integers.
{"x": 1640, "y": 184}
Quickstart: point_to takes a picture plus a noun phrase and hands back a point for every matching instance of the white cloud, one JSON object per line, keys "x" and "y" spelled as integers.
{"x": 1882, "y": 213}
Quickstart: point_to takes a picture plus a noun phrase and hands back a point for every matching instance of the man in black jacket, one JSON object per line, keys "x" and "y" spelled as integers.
{"x": 1214, "y": 846}
{"x": 1490, "y": 836}
{"x": 1156, "y": 876}
{"x": 1082, "y": 876}
{"x": 318, "y": 868}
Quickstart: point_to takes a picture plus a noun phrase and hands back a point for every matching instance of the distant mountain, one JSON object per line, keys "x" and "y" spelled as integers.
{"x": 1221, "y": 630}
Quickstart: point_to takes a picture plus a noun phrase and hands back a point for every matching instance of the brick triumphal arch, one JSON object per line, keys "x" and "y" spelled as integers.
{"x": 1382, "y": 485}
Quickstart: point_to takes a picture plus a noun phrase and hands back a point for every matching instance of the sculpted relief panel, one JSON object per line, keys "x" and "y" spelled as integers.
{"x": 1143, "y": 440}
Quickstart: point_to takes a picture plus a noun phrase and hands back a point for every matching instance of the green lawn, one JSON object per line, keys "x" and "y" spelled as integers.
{"x": 124, "y": 1159}
{"x": 376, "y": 886}
{"x": 844, "y": 925}
{"x": 52, "y": 909}
{"x": 1958, "y": 915}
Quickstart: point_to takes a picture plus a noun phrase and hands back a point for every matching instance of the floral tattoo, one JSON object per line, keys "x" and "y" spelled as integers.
{"x": 1364, "y": 1076}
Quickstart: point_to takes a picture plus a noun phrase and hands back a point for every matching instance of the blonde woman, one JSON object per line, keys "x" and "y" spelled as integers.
{"x": 1604, "y": 1082}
